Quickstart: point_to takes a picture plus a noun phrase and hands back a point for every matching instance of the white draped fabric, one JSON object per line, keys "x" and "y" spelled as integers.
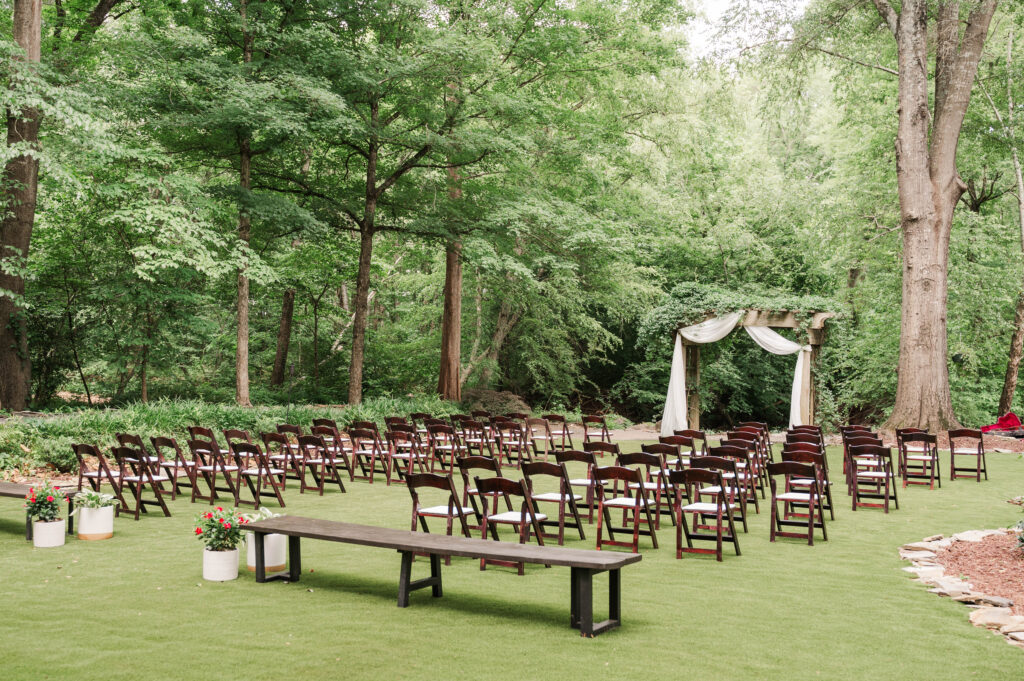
{"x": 711, "y": 330}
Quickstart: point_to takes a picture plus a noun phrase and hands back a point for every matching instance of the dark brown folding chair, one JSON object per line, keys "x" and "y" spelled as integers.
{"x": 450, "y": 510}
{"x": 417, "y": 419}
{"x": 404, "y": 452}
{"x": 564, "y": 497}
{"x": 369, "y": 455}
{"x": 137, "y": 475}
{"x": 919, "y": 453}
{"x": 538, "y": 434}
{"x": 686, "y": 449}
{"x": 601, "y": 448}
{"x": 263, "y": 479}
{"x": 812, "y": 497}
{"x": 587, "y": 459}
{"x": 746, "y": 475}
{"x": 444, "y": 446}
{"x": 686, "y": 484}
{"x": 638, "y": 504}
{"x": 318, "y": 461}
{"x": 476, "y": 436}
{"x": 488, "y": 503}
{"x": 525, "y": 519}
{"x": 873, "y": 476}
{"x": 216, "y": 463}
{"x": 815, "y": 459}
{"x": 512, "y": 443}
{"x": 202, "y": 455}
{"x": 732, "y": 486}
{"x": 292, "y": 432}
{"x": 595, "y": 427}
{"x": 283, "y": 454}
{"x": 697, "y": 436}
{"x": 967, "y": 443}
{"x": 231, "y": 436}
{"x": 559, "y": 428}
{"x": 758, "y": 458}
{"x": 174, "y": 463}
{"x": 335, "y": 444}
{"x": 655, "y": 481}
{"x": 102, "y": 472}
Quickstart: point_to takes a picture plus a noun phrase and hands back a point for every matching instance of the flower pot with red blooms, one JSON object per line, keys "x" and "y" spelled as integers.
{"x": 95, "y": 511}
{"x": 275, "y": 546}
{"x": 221, "y": 531}
{"x": 43, "y": 505}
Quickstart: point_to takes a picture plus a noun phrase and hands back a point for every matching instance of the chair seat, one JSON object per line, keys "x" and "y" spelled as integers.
{"x": 315, "y": 461}
{"x": 915, "y": 448}
{"x": 442, "y": 511}
{"x": 624, "y": 502}
{"x": 704, "y": 507}
{"x": 94, "y": 474}
{"x": 715, "y": 489}
{"x": 804, "y": 482}
{"x": 962, "y": 450}
{"x": 795, "y": 496}
{"x": 137, "y": 478}
{"x": 218, "y": 468}
{"x": 513, "y": 517}
{"x": 555, "y": 496}
{"x": 180, "y": 464}
{"x": 582, "y": 482}
{"x": 256, "y": 471}
{"x": 649, "y": 485}
{"x": 880, "y": 475}
{"x": 920, "y": 457}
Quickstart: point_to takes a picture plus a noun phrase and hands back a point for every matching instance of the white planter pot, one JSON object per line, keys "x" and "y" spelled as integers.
{"x": 47, "y": 535}
{"x": 275, "y": 552}
{"x": 220, "y": 566}
{"x": 96, "y": 523}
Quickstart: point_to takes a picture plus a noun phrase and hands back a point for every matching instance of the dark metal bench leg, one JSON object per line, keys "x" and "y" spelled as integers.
{"x": 403, "y": 579}
{"x": 406, "y": 585}
{"x": 574, "y": 599}
{"x": 294, "y": 559}
{"x": 614, "y": 596}
{"x": 585, "y": 601}
{"x": 435, "y": 575}
{"x": 28, "y": 527}
{"x": 71, "y": 517}
{"x": 581, "y": 614}
{"x": 261, "y": 568}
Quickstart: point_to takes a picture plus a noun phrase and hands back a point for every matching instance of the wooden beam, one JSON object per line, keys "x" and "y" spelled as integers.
{"x": 780, "y": 319}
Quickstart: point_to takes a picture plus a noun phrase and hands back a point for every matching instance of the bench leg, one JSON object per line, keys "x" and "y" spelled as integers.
{"x": 406, "y": 583}
{"x": 581, "y": 614}
{"x": 71, "y": 517}
{"x": 28, "y": 527}
{"x": 294, "y": 560}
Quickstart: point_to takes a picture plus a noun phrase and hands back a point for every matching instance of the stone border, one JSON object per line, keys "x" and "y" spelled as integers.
{"x": 991, "y": 612}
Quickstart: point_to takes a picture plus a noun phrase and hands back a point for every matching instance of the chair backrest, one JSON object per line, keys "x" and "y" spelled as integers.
{"x": 480, "y": 414}
{"x": 621, "y": 473}
{"x": 661, "y": 449}
{"x": 330, "y": 423}
{"x": 391, "y": 421}
{"x": 503, "y": 486}
{"x": 312, "y": 442}
{"x": 812, "y": 458}
{"x": 642, "y": 459}
{"x": 276, "y": 443}
{"x": 919, "y": 436}
{"x": 750, "y": 446}
{"x": 803, "y": 437}
{"x": 801, "y": 447}
{"x": 419, "y": 416}
{"x": 695, "y": 476}
{"x": 603, "y": 447}
{"x": 231, "y": 436}
{"x": 83, "y": 450}
{"x": 456, "y": 419}
{"x": 289, "y": 429}
{"x": 718, "y": 463}
{"x": 483, "y": 463}
{"x": 328, "y": 433}
{"x": 680, "y": 441}
{"x": 861, "y": 438}
{"x": 393, "y": 437}
{"x": 540, "y": 425}
{"x": 440, "y": 431}
{"x": 973, "y": 438}
{"x": 202, "y": 450}
{"x": 554, "y": 418}
{"x": 854, "y": 428}
{"x": 126, "y": 456}
{"x": 562, "y": 456}
{"x": 736, "y": 453}
{"x": 792, "y": 468}
{"x": 365, "y": 425}
{"x": 246, "y": 449}
{"x": 546, "y": 468}
{"x": 594, "y": 419}
{"x": 363, "y": 437}
{"x": 161, "y": 443}
{"x": 430, "y": 421}
{"x": 695, "y": 435}
{"x": 402, "y": 428}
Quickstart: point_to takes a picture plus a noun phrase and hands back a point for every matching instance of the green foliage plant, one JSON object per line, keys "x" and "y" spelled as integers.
{"x": 88, "y": 498}
{"x": 219, "y": 529}
{"x": 43, "y": 504}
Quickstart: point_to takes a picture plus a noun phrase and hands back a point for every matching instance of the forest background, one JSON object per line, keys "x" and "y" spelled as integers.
{"x": 323, "y": 201}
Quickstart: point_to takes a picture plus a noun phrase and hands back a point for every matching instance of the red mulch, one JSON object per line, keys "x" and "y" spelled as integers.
{"x": 994, "y": 566}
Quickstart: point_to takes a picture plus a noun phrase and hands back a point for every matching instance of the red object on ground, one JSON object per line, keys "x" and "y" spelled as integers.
{"x": 1007, "y": 421}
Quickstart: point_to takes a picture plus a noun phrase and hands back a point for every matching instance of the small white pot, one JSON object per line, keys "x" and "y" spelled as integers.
{"x": 47, "y": 535}
{"x": 275, "y": 552}
{"x": 96, "y": 523}
{"x": 220, "y": 566}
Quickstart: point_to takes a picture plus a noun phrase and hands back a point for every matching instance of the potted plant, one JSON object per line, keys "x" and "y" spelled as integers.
{"x": 275, "y": 546}
{"x": 43, "y": 505}
{"x": 95, "y": 511}
{"x": 221, "y": 532}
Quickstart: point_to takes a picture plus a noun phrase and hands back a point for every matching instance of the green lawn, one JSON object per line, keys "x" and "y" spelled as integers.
{"x": 136, "y": 607}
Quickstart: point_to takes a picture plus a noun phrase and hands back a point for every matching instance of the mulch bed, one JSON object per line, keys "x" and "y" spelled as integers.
{"x": 994, "y": 565}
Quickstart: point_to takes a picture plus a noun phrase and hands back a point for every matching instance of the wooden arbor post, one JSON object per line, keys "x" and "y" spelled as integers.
{"x": 691, "y": 358}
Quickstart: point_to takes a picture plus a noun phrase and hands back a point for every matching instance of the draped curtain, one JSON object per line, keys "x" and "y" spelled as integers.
{"x": 711, "y": 330}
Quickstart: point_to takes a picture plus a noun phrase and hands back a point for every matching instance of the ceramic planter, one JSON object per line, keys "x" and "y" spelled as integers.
{"x": 96, "y": 523}
{"x": 47, "y": 535}
{"x": 275, "y": 552}
{"x": 220, "y": 566}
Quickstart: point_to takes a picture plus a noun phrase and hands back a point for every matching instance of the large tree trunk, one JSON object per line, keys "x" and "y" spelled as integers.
{"x": 284, "y": 336}
{"x": 362, "y": 306}
{"x": 449, "y": 385}
{"x": 20, "y": 185}
{"x": 244, "y": 227}
{"x": 1013, "y": 364}
{"x": 929, "y": 189}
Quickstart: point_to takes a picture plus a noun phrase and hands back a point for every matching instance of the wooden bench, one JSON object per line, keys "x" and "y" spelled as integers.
{"x": 583, "y": 563}
{"x": 16, "y": 491}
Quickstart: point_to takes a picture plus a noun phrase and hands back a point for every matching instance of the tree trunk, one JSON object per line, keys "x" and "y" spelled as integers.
{"x": 449, "y": 385}
{"x": 244, "y": 227}
{"x": 21, "y": 176}
{"x": 502, "y": 327}
{"x": 929, "y": 190}
{"x": 1013, "y": 365}
{"x": 284, "y": 336}
{"x": 362, "y": 306}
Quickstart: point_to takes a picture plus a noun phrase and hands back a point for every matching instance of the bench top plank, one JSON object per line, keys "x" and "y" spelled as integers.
{"x": 18, "y": 491}
{"x": 406, "y": 540}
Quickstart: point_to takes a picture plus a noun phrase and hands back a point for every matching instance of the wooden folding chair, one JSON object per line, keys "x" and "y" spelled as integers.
{"x": 589, "y": 460}
{"x": 696, "y": 436}
{"x": 174, "y": 464}
{"x": 512, "y": 442}
{"x": 488, "y": 503}
{"x": 263, "y": 479}
{"x": 137, "y": 474}
{"x": 637, "y": 504}
{"x": 595, "y": 427}
{"x": 919, "y": 453}
{"x": 655, "y": 481}
{"x": 283, "y": 454}
{"x": 476, "y": 436}
{"x": 812, "y": 497}
{"x": 213, "y": 464}
{"x": 444, "y": 446}
{"x": 417, "y": 419}
{"x": 751, "y": 443}
{"x": 96, "y": 476}
{"x": 967, "y": 443}
{"x": 821, "y": 462}
{"x": 405, "y": 452}
{"x": 564, "y": 497}
{"x": 525, "y": 519}
{"x": 732, "y": 486}
{"x": 746, "y": 471}
{"x": 872, "y": 476}
{"x": 319, "y": 461}
{"x": 450, "y": 510}
{"x": 686, "y": 449}
{"x": 369, "y": 455}
{"x": 686, "y": 484}
{"x": 337, "y": 446}
{"x": 559, "y": 427}
{"x": 231, "y": 436}
{"x": 540, "y": 438}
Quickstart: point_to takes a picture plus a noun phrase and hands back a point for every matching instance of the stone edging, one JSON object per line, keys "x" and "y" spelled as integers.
{"x": 991, "y": 612}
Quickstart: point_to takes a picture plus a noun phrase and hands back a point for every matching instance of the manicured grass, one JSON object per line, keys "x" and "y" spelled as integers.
{"x": 136, "y": 607}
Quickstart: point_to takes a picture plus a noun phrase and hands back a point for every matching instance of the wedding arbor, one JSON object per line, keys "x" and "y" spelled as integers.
{"x": 682, "y": 403}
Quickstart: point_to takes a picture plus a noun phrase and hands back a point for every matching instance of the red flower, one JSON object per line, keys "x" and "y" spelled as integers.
{"x": 33, "y": 499}
{"x": 49, "y": 497}
{"x": 220, "y": 520}
{"x": 219, "y": 508}
{"x": 227, "y": 526}
{"x": 208, "y": 515}
{"x": 199, "y": 530}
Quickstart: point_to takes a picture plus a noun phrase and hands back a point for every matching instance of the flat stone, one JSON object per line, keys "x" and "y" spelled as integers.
{"x": 997, "y": 601}
{"x": 975, "y": 535}
{"x": 952, "y": 586}
{"x": 934, "y": 537}
{"x": 919, "y": 546}
{"x": 926, "y": 574}
{"x": 916, "y": 555}
{"x": 992, "y": 618}
{"x": 1016, "y": 636}
{"x": 1016, "y": 625}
